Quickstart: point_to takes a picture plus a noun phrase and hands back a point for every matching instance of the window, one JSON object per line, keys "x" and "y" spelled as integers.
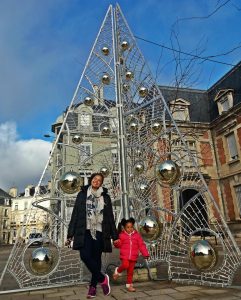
{"x": 85, "y": 174}
{"x": 5, "y": 212}
{"x": 114, "y": 153}
{"x": 195, "y": 156}
{"x": 224, "y": 99}
{"x": 24, "y": 231}
{"x": 192, "y": 144}
{"x": 238, "y": 196}
{"x": 179, "y": 113}
{"x": 233, "y": 151}
{"x": 84, "y": 120}
{"x": 4, "y": 224}
{"x": 114, "y": 158}
{"x": 180, "y": 109}
{"x": 224, "y": 103}
{"x": 85, "y": 152}
{"x": 115, "y": 184}
{"x": 176, "y": 143}
{"x": 16, "y": 207}
{"x": 58, "y": 160}
{"x": 114, "y": 124}
{"x": 27, "y": 192}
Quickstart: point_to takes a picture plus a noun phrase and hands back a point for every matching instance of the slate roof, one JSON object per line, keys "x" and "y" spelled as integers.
{"x": 4, "y": 195}
{"x": 203, "y": 108}
{"x": 199, "y": 103}
{"x": 231, "y": 80}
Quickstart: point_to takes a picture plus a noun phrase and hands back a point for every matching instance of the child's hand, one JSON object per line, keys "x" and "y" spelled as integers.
{"x": 117, "y": 243}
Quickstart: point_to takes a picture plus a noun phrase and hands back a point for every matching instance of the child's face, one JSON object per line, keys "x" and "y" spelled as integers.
{"x": 129, "y": 227}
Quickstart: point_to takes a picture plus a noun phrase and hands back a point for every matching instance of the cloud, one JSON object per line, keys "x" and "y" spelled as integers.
{"x": 22, "y": 161}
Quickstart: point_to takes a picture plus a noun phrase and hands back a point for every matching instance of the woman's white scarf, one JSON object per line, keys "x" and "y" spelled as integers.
{"x": 94, "y": 210}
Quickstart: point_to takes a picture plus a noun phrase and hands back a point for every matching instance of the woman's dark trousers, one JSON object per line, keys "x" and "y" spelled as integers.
{"x": 90, "y": 254}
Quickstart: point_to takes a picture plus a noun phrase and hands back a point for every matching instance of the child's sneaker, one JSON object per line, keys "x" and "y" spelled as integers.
{"x": 91, "y": 293}
{"x": 106, "y": 285}
{"x": 130, "y": 287}
{"x": 116, "y": 274}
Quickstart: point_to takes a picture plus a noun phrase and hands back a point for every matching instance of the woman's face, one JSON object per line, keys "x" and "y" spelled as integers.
{"x": 96, "y": 182}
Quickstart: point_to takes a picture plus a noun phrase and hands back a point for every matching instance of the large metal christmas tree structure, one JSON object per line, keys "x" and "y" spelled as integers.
{"x": 118, "y": 123}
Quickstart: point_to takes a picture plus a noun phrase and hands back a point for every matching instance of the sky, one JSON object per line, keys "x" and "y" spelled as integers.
{"x": 44, "y": 46}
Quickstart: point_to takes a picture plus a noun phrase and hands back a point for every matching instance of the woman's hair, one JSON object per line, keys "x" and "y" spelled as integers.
{"x": 123, "y": 223}
{"x": 95, "y": 174}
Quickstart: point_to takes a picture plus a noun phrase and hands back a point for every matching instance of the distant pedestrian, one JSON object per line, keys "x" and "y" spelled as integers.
{"x": 130, "y": 243}
{"x": 91, "y": 228}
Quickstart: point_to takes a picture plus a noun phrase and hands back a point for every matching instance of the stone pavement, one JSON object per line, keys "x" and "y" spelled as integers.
{"x": 151, "y": 290}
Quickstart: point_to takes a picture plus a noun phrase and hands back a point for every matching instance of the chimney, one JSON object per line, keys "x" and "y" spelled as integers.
{"x": 13, "y": 192}
{"x": 99, "y": 94}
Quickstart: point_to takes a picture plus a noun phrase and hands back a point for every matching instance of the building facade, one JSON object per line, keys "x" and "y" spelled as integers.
{"x": 210, "y": 120}
{"x": 25, "y": 218}
{"x": 5, "y": 217}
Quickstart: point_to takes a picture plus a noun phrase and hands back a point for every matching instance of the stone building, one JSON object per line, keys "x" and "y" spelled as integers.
{"x": 211, "y": 122}
{"x": 5, "y": 214}
{"x": 209, "y": 119}
{"x": 96, "y": 150}
{"x": 25, "y": 218}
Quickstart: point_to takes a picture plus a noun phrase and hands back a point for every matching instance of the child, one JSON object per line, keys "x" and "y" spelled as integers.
{"x": 130, "y": 243}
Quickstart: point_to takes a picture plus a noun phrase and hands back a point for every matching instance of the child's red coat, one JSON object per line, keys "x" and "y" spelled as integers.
{"x": 130, "y": 245}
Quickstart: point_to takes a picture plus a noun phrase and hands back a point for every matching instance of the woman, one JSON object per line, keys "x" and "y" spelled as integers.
{"x": 91, "y": 228}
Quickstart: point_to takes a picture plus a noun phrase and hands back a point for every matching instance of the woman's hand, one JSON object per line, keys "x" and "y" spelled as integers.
{"x": 68, "y": 242}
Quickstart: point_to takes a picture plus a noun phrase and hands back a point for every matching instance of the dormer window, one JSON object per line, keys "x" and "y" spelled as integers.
{"x": 224, "y": 99}
{"x": 180, "y": 109}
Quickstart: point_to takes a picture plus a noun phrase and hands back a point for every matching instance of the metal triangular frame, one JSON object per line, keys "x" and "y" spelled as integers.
{"x": 119, "y": 123}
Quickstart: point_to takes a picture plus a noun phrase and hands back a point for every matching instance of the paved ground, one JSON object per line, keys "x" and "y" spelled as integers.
{"x": 151, "y": 290}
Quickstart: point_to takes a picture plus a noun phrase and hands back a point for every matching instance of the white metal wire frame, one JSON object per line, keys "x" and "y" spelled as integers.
{"x": 179, "y": 224}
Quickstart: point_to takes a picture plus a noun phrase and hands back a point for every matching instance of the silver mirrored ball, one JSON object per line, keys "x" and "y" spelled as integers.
{"x": 168, "y": 172}
{"x": 89, "y": 101}
{"x": 77, "y": 139}
{"x": 124, "y": 45}
{"x": 70, "y": 182}
{"x": 125, "y": 87}
{"x": 105, "y": 50}
{"x": 104, "y": 171}
{"x": 138, "y": 168}
{"x": 143, "y": 92}
{"x": 129, "y": 75}
{"x": 144, "y": 187}
{"x": 106, "y": 79}
{"x": 156, "y": 127}
{"x": 41, "y": 261}
{"x": 133, "y": 126}
{"x": 203, "y": 255}
{"x": 105, "y": 130}
{"x": 149, "y": 229}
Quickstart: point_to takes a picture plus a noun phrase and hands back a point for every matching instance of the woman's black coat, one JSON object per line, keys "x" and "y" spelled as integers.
{"x": 77, "y": 225}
